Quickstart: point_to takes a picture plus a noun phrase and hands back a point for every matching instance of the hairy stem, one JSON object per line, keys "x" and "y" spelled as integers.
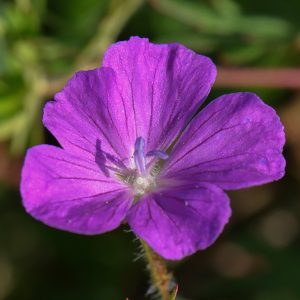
{"x": 160, "y": 277}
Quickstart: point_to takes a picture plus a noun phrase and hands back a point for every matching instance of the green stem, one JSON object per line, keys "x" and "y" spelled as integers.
{"x": 160, "y": 277}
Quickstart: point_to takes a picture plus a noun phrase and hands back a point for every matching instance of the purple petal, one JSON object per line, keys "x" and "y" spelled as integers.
{"x": 70, "y": 193}
{"x": 181, "y": 220}
{"x": 235, "y": 142}
{"x": 87, "y": 116}
{"x": 161, "y": 86}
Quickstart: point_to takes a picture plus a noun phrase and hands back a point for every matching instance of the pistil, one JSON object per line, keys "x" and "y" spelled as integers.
{"x": 139, "y": 155}
{"x": 144, "y": 180}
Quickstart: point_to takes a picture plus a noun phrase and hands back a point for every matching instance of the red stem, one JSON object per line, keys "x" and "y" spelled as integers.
{"x": 266, "y": 78}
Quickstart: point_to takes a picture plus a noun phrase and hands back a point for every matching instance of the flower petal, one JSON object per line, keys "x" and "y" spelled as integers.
{"x": 181, "y": 220}
{"x": 235, "y": 142}
{"x": 86, "y": 117}
{"x": 161, "y": 86}
{"x": 70, "y": 193}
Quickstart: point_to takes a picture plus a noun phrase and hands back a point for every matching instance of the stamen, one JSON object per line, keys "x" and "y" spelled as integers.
{"x": 157, "y": 153}
{"x": 139, "y": 155}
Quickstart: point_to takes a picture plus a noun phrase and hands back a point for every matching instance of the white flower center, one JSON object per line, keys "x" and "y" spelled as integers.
{"x": 142, "y": 176}
{"x": 141, "y": 184}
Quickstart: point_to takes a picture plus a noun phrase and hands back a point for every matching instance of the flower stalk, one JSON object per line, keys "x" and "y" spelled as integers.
{"x": 161, "y": 278}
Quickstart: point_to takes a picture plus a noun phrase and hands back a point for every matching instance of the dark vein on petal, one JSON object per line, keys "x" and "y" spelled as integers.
{"x": 114, "y": 124}
{"x": 106, "y": 137}
{"x": 74, "y": 131}
{"x": 201, "y": 143}
{"x": 213, "y": 160}
{"x": 89, "y": 118}
{"x": 132, "y": 97}
{"x": 221, "y": 170}
{"x": 95, "y": 124}
{"x": 81, "y": 178}
{"x": 151, "y": 216}
{"x": 202, "y": 124}
{"x": 115, "y": 210}
{"x": 151, "y": 98}
{"x": 91, "y": 196}
{"x": 167, "y": 215}
{"x": 124, "y": 107}
{"x": 71, "y": 163}
{"x": 83, "y": 149}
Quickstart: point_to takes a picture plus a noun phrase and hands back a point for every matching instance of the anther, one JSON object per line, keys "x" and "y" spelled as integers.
{"x": 140, "y": 156}
{"x": 157, "y": 153}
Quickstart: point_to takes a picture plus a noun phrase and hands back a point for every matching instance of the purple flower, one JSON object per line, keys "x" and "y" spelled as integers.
{"x": 130, "y": 151}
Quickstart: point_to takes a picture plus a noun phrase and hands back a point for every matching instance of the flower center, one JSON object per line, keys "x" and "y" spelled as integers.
{"x": 143, "y": 184}
{"x": 143, "y": 179}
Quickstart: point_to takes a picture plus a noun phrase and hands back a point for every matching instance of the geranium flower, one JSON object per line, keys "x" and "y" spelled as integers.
{"x": 131, "y": 150}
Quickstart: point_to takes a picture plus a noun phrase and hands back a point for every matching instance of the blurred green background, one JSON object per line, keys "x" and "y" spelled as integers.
{"x": 42, "y": 42}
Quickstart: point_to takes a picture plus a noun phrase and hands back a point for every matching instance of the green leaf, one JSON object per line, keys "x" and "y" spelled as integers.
{"x": 260, "y": 26}
{"x": 9, "y": 105}
{"x": 227, "y": 8}
{"x": 243, "y": 54}
{"x": 223, "y": 19}
{"x": 8, "y": 127}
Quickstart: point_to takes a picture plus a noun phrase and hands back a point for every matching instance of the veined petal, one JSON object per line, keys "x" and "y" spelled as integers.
{"x": 70, "y": 193}
{"x": 86, "y": 117}
{"x": 181, "y": 220}
{"x": 144, "y": 90}
{"x": 161, "y": 86}
{"x": 235, "y": 142}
